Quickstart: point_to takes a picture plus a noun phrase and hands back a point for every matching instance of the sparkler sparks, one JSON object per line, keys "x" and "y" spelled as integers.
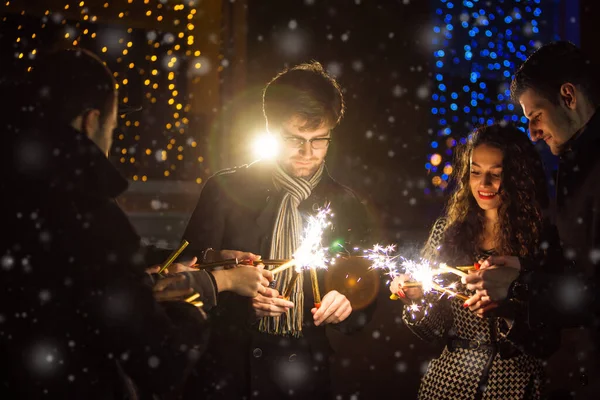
{"x": 424, "y": 272}
{"x": 311, "y": 253}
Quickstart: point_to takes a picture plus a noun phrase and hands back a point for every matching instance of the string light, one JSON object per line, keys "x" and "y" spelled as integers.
{"x": 136, "y": 60}
{"x": 477, "y": 46}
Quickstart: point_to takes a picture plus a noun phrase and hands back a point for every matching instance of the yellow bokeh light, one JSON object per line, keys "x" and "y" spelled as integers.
{"x": 448, "y": 169}
{"x": 148, "y": 152}
{"x": 436, "y": 159}
{"x": 198, "y": 180}
{"x": 436, "y": 180}
{"x": 167, "y": 173}
{"x": 144, "y": 178}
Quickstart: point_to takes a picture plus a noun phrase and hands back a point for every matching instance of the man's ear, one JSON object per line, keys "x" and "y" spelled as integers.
{"x": 91, "y": 122}
{"x": 568, "y": 95}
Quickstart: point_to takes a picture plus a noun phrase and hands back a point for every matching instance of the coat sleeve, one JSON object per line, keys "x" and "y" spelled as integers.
{"x": 434, "y": 319}
{"x": 536, "y": 323}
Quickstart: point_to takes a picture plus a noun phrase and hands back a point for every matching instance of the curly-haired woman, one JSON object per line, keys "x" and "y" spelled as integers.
{"x": 496, "y": 208}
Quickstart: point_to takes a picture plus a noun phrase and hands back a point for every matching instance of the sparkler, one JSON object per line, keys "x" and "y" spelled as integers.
{"x": 235, "y": 261}
{"x": 173, "y": 256}
{"x": 311, "y": 254}
{"x": 422, "y": 273}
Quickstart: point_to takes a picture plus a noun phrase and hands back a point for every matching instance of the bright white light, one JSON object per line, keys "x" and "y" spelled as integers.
{"x": 265, "y": 146}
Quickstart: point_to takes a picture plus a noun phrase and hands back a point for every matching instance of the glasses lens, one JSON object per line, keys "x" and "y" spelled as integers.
{"x": 320, "y": 143}
{"x": 293, "y": 142}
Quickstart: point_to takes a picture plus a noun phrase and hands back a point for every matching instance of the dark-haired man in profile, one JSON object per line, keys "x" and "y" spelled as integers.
{"x": 559, "y": 92}
{"x": 77, "y": 319}
{"x": 272, "y": 348}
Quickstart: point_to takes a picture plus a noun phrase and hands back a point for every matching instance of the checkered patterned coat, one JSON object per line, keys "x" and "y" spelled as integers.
{"x": 461, "y": 373}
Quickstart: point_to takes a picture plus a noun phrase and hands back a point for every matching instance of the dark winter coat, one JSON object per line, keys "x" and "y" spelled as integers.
{"x": 237, "y": 210}
{"x": 484, "y": 358}
{"x": 73, "y": 308}
{"x": 572, "y": 300}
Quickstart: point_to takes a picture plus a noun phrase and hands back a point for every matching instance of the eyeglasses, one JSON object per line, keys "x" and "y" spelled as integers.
{"x": 297, "y": 143}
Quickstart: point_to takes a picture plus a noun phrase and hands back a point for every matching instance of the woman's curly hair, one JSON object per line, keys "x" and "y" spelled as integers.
{"x": 523, "y": 194}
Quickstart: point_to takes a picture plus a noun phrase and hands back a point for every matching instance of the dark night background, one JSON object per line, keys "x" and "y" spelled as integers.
{"x": 383, "y": 56}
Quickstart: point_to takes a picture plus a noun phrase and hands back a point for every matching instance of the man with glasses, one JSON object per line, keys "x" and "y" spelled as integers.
{"x": 270, "y": 347}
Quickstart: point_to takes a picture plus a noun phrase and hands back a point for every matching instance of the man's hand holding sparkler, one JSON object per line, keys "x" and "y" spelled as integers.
{"x": 335, "y": 308}
{"x": 270, "y": 304}
{"x": 243, "y": 256}
{"x": 491, "y": 282}
{"x": 245, "y": 280}
{"x": 163, "y": 291}
{"x": 175, "y": 267}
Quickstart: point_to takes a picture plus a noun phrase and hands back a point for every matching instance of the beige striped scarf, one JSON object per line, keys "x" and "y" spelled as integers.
{"x": 287, "y": 233}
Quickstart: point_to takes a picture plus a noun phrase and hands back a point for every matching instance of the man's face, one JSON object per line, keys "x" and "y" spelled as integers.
{"x": 547, "y": 121}
{"x": 298, "y": 156}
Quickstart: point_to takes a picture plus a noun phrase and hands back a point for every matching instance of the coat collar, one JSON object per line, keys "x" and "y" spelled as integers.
{"x": 584, "y": 141}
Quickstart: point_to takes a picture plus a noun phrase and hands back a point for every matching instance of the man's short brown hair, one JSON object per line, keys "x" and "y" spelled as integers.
{"x": 305, "y": 91}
